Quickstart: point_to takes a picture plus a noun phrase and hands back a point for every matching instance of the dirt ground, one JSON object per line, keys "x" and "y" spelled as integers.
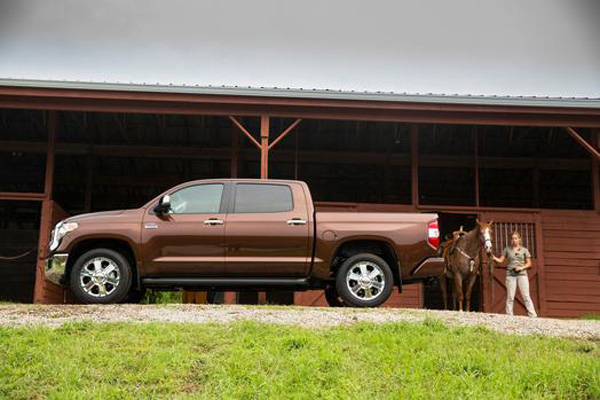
{"x": 309, "y": 317}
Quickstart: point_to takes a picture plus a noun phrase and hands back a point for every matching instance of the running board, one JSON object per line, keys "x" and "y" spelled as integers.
{"x": 227, "y": 283}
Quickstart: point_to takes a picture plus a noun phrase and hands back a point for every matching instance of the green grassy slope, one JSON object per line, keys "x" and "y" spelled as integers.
{"x": 251, "y": 360}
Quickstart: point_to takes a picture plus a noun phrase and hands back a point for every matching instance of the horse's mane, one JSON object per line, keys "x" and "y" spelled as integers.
{"x": 470, "y": 238}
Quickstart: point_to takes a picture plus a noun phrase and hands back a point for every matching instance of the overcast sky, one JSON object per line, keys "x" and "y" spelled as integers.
{"x": 524, "y": 47}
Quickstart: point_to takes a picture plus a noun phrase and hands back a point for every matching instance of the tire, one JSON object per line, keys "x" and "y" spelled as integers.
{"x": 333, "y": 297}
{"x": 357, "y": 273}
{"x": 100, "y": 276}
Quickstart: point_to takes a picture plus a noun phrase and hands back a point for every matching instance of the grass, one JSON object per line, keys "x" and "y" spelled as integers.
{"x": 252, "y": 360}
{"x": 162, "y": 297}
{"x": 592, "y": 317}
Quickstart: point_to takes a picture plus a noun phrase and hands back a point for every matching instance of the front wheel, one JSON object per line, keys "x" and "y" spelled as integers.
{"x": 364, "y": 280}
{"x": 100, "y": 276}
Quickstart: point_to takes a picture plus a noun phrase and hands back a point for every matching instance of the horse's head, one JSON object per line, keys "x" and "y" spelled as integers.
{"x": 485, "y": 234}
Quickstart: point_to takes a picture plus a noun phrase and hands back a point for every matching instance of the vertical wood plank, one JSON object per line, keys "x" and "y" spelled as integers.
{"x": 414, "y": 151}
{"x": 541, "y": 265}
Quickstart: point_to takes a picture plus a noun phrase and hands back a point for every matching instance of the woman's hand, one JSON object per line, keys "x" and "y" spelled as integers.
{"x": 498, "y": 260}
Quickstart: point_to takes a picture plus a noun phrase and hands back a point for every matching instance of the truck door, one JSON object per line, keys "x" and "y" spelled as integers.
{"x": 267, "y": 230}
{"x": 189, "y": 240}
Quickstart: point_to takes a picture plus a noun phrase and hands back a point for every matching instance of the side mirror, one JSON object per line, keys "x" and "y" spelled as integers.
{"x": 164, "y": 205}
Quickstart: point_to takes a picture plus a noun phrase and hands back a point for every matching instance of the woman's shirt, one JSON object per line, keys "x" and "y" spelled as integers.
{"x": 516, "y": 258}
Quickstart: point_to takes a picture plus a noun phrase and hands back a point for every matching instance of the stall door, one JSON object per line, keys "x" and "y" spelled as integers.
{"x": 493, "y": 285}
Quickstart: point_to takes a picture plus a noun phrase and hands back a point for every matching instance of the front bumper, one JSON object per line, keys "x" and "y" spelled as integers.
{"x": 56, "y": 267}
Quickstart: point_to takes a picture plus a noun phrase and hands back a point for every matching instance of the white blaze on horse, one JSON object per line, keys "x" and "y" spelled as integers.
{"x": 462, "y": 255}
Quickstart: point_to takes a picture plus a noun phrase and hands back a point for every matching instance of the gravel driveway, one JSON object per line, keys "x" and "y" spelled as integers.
{"x": 309, "y": 317}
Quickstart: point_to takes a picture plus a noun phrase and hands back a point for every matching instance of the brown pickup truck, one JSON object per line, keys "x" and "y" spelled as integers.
{"x": 242, "y": 235}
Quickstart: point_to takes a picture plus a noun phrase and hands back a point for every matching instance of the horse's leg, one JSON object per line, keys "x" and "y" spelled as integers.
{"x": 458, "y": 291}
{"x": 444, "y": 290}
{"x": 470, "y": 282}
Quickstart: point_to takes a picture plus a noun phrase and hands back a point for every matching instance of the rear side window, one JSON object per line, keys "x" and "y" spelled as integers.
{"x": 259, "y": 198}
{"x": 201, "y": 199}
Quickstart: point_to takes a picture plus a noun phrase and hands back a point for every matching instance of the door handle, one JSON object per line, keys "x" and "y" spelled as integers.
{"x": 213, "y": 222}
{"x": 293, "y": 222}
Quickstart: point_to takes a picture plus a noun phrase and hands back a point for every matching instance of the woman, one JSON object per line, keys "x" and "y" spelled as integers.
{"x": 519, "y": 261}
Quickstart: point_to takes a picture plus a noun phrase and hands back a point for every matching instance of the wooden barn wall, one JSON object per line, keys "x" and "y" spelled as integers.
{"x": 411, "y": 297}
{"x": 572, "y": 259}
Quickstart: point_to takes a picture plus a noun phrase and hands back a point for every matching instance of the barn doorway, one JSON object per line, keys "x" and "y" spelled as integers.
{"x": 432, "y": 295}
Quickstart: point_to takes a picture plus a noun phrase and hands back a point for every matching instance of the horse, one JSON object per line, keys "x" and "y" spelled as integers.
{"x": 462, "y": 257}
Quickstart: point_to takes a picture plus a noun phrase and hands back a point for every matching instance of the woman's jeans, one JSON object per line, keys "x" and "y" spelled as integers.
{"x": 511, "y": 288}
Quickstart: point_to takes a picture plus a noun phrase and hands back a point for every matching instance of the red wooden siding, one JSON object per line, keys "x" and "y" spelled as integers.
{"x": 46, "y": 291}
{"x": 572, "y": 257}
{"x": 411, "y": 297}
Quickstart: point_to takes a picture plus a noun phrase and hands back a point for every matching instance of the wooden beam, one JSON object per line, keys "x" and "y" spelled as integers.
{"x": 264, "y": 146}
{"x": 344, "y": 109}
{"x": 49, "y": 176}
{"x": 590, "y": 149}
{"x": 284, "y": 133}
{"x": 22, "y": 196}
{"x": 596, "y": 172}
{"x": 476, "y": 162}
{"x": 414, "y": 151}
{"x": 245, "y": 132}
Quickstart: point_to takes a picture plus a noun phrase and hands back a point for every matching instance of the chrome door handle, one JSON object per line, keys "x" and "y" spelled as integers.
{"x": 293, "y": 222}
{"x": 213, "y": 222}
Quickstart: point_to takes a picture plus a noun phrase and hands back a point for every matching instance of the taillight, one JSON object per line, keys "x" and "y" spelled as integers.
{"x": 433, "y": 234}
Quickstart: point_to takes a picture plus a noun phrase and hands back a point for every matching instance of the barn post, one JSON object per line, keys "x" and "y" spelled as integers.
{"x": 596, "y": 171}
{"x": 476, "y": 162}
{"x": 264, "y": 146}
{"x": 264, "y": 170}
{"x": 46, "y": 217}
{"x": 414, "y": 150}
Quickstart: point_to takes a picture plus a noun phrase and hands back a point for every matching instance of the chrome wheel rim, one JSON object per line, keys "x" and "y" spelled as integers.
{"x": 99, "y": 277}
{"x": 365, "y": 280}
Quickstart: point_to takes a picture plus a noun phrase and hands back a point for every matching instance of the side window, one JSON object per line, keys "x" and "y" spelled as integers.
{"x": 200, "y": 199}
{"x": 261, "y": 198}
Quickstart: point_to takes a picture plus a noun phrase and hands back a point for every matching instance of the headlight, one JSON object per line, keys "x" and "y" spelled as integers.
{"x": 61, "y": 229}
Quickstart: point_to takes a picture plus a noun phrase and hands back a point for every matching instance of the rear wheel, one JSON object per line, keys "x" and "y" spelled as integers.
{"x": 100, "y": 276}
{"x": 364, "y": 280}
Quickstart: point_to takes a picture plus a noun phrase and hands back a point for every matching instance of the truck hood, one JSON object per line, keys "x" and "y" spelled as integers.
{"x": 101, "y": 216}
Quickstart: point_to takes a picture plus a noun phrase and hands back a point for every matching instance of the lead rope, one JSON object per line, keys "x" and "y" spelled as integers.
{"x": 12, "y": 258}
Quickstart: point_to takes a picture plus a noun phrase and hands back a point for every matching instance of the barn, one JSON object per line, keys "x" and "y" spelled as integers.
{"x": 94, "y": 119}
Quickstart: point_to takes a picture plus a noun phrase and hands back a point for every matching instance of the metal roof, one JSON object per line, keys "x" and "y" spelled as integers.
{"x": 531, "y": 101}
